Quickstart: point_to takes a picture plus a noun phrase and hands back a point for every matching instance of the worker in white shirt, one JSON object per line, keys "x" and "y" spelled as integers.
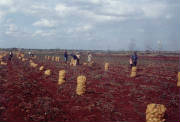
{"x": 89, "y": 57}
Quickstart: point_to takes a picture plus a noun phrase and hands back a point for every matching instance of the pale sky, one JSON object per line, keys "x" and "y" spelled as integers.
{"x": 90, "y": 24}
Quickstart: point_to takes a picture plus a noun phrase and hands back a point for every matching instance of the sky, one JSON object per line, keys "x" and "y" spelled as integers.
{"x": 90, "y": 24}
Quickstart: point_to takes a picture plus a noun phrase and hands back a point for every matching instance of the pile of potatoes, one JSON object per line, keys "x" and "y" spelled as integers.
{"x": 155, "y": 113}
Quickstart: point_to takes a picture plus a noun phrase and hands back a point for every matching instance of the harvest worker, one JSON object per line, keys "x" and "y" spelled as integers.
{"x": 89, "y": 57}
{"x": 10, "y": 55}
{"x": 30, "y": 54}
{"x": 78, "y": 58}
{"x": 65, "y": 56}
{"x": 134, "y": 59}
{"x": 74, "y": 57}
{"x": 130, "y": 62}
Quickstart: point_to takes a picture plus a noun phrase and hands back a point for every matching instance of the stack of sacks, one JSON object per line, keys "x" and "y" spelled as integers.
{"x": 48, "y": 57}
{"x": 155, "y": 113}
{"x": 72, "y": 61}
{"x": 133, "y": 72}
{"x": 57, "y": 59}
{"x": 61, "y": 77}
{"x": 81, "y": 85}
{"x": 24, "y": 59}
{"x": 92, "y": 62}
{"x": 178, "y": 83}
{"x": 41, "y": 68}
{"x": 47, "y": 72}
{"x": 3, "y": 63}
{"x": 106, "y": 66}
{"x": 52, "y": 58}
{"x": 22, "y": 55}
{"x": 1, "y": 56}
{"x": 84, "y": 63}
{"x": 32, "y": 64}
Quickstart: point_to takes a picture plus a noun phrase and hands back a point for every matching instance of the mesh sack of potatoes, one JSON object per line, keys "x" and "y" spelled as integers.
{"x": 106, "y": 66}
{"x": 61, "y": 77}
{"x": 23, "y": 59}
{"x": 74, "y": 62}
{"x": 32, "y": 64}
{"x": 30, "y": 61}
{"x": 57, "y": 59}
{"x": 3, "y": 63}
{"x": 35, "y": 65}
{"x": 47, "y": 72}
{"x": 178, "y": 83}
{"x": 71, "y": 62}
{"x": 16, "y": 54}
{"x": 52, "y": 58}
{"x": 85, "y": 63}
{"x": 48, "y": 57}
{"x": 22, "y": 55}
{"x": 133, "y": 72}
{"x": 1, "y": 56}
{"x": 19, "y": 57}
{"x": 41, "y": 68}
{"x": 81, "y": 85}
{"x": 91, "y": 63}
{"x": 155, "y": 113}
{"x": 35, "y": 57}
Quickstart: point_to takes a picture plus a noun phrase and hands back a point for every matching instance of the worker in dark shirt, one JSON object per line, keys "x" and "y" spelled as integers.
{"x": 78, "y": 58}
{"x": 134, "y": 58}
{"x": 10, "y": 55}
{"x": 65, "y": 56}
{"x": 74, "y": 61}
{"x": 74, "y": 56}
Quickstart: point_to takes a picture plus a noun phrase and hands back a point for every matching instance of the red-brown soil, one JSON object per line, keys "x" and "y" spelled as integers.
{"x": 27, "y": 95}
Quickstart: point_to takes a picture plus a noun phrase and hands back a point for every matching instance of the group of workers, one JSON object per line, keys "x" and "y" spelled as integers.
{"x": 76, "y": 57}
{"x": 132, "y": 61}
{"x": 11, "y": 55}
